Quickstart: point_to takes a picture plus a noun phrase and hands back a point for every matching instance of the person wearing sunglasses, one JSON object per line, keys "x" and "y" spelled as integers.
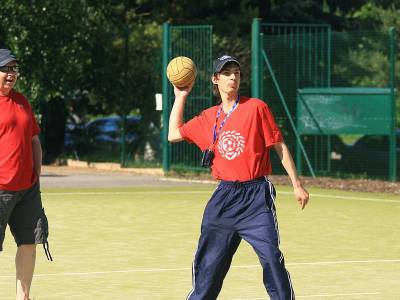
{"x": 236, "y": 137}
{"x": 20, "y": 164}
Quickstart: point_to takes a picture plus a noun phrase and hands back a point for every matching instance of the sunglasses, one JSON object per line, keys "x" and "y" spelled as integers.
{"x": 9, "y": 69}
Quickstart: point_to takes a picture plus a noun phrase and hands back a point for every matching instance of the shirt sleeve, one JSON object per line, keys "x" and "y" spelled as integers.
{"x": 197, "y": 131}
{"x": 271, "y": 132}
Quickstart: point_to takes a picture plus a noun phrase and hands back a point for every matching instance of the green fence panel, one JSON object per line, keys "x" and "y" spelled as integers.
{"x": 344, "y": 111}
{"x": 313, "y": 56}
{"x": 334, "y": 111}
{"x": 360, "y": 59}
{"x": 299, "y": 55}
{"x": 194, "y": 42}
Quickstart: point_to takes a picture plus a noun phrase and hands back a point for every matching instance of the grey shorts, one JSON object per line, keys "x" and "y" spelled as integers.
{"x": 24, "y": 213}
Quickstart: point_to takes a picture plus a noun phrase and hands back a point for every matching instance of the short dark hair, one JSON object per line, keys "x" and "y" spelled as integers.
{"x": 215, "y": 86}
{"x": 216, "y": 92}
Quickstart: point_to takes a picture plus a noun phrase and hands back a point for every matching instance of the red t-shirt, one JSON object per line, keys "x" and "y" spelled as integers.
{"x": 242, "y": 147}
{"x": 17, "y": 127}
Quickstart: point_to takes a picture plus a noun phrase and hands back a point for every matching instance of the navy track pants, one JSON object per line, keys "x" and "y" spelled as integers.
{"x": 236, "y": 211}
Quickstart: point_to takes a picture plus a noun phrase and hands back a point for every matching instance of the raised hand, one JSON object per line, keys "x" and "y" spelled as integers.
{"x": 182, "y": 92}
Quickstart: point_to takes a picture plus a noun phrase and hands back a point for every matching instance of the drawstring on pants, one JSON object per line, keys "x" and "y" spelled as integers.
{"x": 47, "y": 250}
{"x": 237, "y": 184}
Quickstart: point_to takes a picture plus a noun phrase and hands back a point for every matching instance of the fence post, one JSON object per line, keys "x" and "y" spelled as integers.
{"x": 329, "y": 57}
{"x": 165, "y": 99}
{"x": 393, "y": 158}
{"x": 123, "y": 162}
{"x": 255, "y": 58}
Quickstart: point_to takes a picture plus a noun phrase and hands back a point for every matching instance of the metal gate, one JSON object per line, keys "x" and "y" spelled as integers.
{"x": 195, "y": 42}
{"x": 291, "y": 56}
{"x": 287, "y": 58}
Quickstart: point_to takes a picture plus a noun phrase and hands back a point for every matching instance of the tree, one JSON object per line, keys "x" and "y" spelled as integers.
{"x": 49, "y": 41}
{"x": 83, "y": 55}
{"x": 104, "y": 57}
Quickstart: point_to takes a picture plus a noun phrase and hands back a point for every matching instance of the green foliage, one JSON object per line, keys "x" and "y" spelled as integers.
{"x": 330, "y": 248}
{"x": 361, "y": 59}
{"x": 87, "y": 54}
{"x": 49, "y": 42}
{"x": 381, "y": 16}
{"x": 103, "y": 57}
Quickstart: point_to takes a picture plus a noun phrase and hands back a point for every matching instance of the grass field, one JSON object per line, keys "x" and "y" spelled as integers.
{"x": 138, "y": 243}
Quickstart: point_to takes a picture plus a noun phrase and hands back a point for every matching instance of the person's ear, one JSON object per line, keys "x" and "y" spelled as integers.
{"x": 214, "y": 79}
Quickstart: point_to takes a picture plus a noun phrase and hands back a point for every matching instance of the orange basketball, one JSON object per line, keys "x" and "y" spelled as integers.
{"x": 181, "y": 71}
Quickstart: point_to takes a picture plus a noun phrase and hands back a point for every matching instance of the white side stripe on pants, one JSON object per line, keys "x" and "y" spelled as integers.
{"x": 193, "y": 282}
{"x": 277, "y": 232}
{"x": 273, "y": 211}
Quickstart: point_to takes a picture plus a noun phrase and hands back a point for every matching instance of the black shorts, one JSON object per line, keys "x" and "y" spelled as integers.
{"x": 24, "y": 213}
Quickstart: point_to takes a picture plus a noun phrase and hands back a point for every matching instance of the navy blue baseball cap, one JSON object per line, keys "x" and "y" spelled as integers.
{"x": 6, "y": 56}
{"x": 220, "y": 62}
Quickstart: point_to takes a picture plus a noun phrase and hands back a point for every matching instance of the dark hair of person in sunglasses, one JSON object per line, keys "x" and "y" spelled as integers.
{"x": 9, "y": 69}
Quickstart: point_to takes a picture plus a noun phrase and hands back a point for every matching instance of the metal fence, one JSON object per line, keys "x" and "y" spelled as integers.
{"x": 289, "y": 57}
{"x": 194, "y": 42}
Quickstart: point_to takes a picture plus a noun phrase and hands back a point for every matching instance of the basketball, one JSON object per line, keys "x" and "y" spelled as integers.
{"x": 181, "y": 71}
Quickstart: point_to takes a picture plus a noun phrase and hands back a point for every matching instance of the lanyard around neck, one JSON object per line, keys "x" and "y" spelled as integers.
{"x": 215, "y": 132}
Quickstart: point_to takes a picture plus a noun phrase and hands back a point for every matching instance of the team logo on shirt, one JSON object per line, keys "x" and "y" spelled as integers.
{"x": 230, "y": 144}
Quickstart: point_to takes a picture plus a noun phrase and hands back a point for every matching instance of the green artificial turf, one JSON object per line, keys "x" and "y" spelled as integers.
{"x": 138, "y": 243}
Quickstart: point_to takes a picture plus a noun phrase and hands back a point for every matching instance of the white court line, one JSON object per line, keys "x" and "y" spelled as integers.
{"x": 127, "y": 193}
{"x": 350, "y": 198}
{"x": 320, "y": 295}
{"x": 335, "y": 295}
{"x": 287, "y": 193}
{"x": 340, "y": 262}
{"x": 187, "y": 268}
{"x": 209, "y": 192}
{"x": 373, "y": 261}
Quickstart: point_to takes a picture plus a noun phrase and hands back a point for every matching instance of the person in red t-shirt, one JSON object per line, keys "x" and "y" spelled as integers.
{"x": 20, "y": 164}
{"x": 235, "y": 138}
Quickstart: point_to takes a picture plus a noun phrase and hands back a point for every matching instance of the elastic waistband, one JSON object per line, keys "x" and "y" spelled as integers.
{"x": 249, "y": 182}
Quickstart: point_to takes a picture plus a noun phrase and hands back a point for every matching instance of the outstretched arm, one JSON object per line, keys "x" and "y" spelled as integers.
{"x": 300, "y": 192}
{"x": 176, "y": 116}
